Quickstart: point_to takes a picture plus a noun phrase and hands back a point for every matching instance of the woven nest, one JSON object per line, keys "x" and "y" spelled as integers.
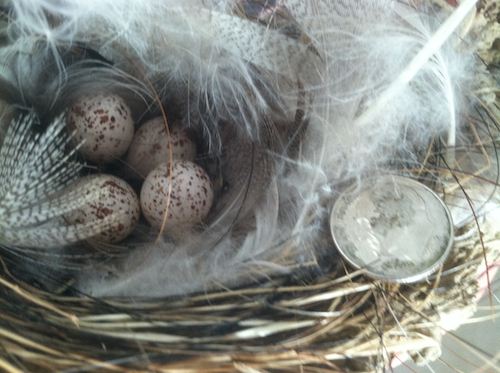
{"x": 306, "y": 322}
{"x": 320, "y": 317}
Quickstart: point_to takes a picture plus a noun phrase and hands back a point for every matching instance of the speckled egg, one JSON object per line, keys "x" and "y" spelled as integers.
{"x": 106, "y": 125}
{"x": 190, "y": 199}
{"x": 150, "y": 146}
{"x": 113, "y": 196}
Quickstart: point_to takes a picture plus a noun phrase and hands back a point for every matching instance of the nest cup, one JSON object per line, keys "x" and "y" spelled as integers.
{"x": 307, "y": 312}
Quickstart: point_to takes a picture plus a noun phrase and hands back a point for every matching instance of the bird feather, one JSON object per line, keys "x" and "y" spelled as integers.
{"x": 291, "y": 100}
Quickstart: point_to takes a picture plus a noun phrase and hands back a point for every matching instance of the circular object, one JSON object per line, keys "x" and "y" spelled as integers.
{"x": 114, "y": 197}
{"x": 103, "y": 125}
{"x": 150, "y": 146}
{"x": 395, "y": 227}
{"x": 190, "y": 199}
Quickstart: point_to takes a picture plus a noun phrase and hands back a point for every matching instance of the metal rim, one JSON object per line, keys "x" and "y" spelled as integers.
{"x": 401, "y": 180}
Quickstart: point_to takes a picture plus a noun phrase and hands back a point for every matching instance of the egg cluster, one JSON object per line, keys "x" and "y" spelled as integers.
{"x": 176, "y": 193}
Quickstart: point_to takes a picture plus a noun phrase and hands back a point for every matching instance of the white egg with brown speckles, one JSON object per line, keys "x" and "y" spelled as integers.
{"x": 150, "y": 146}
{"x": 103, "y": 125}
{"x": 114, "y": 199}
{"x": 190, "y": 200}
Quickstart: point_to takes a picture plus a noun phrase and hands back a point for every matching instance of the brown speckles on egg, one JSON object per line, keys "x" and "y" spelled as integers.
{"x": 114, "y": 199}
{"x": 150, "y": 146}
{"x": 189, "y": 203}
{"x": 90, "y": 119}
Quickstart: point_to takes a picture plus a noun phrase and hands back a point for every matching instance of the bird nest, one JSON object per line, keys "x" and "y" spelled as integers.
{"x": 334, "y": 321}
{"x": 315, "y": 314}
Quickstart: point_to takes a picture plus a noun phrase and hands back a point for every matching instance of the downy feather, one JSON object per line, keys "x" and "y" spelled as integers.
{"x": 291, "y": 101}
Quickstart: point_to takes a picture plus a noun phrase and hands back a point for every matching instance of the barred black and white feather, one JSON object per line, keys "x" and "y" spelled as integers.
{"x": 34, "y": 173}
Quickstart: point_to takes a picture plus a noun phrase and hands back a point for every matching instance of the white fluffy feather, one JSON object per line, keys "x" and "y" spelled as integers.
{"x": 315, "y": 95}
